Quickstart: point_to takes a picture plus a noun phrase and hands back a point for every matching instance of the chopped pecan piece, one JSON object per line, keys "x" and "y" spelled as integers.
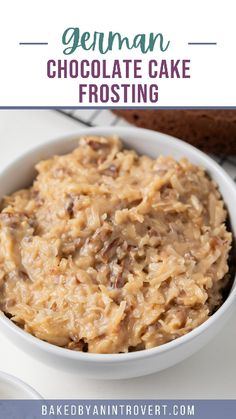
{"x": 111, "y": 171}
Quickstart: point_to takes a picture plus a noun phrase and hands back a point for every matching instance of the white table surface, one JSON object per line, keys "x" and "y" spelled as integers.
{"x": 211, "y": 373}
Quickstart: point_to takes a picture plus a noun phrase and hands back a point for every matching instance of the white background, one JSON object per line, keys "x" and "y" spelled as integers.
{"x": 211, "y": 373}
{"x": 23, "y": 80}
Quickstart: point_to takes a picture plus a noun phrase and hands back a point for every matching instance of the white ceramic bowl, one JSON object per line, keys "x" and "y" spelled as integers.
{"x": 114, "y": 366}
{"x": 13, "y": 388}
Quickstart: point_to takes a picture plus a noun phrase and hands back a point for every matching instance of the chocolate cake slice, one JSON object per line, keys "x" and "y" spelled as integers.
{"x": 213, "y": 131}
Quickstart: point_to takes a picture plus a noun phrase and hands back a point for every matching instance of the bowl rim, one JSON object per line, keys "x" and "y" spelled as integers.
{"x": 89, "y": 357}
{"x": 12, "y": 379}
